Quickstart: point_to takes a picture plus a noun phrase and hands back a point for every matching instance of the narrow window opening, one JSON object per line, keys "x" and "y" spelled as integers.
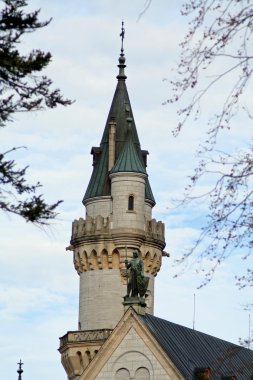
{"x": 131, "y": 203}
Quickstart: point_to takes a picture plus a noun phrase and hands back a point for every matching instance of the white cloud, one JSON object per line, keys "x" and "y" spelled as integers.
{"x": 39, "y": 298}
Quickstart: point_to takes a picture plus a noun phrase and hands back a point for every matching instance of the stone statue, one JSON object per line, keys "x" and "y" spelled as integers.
{"x": 137, "y": 282}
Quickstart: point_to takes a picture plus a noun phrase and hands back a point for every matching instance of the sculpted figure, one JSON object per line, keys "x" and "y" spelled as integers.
{"x": 137, "y": 282}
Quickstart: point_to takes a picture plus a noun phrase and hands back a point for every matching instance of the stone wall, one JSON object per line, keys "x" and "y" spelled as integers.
{"x": 78, "y": 348}
{"x": 101, "y": 297}
{"x": 98, "y": 206}
{"x": 124, "y": 185}
{"x": 132, "y": 360}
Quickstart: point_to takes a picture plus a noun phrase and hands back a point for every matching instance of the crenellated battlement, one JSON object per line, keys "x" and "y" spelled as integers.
{"x": 155, "y": 229}
{"x": 100, "y": 226}
{"x": 90, "y": 253}
{"x": 90, "y": 226}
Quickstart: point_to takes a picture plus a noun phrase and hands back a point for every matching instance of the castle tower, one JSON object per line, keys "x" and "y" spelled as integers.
{"x": 118, "y": 203}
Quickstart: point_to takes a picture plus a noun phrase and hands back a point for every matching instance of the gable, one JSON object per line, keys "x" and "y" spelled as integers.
{"x": 131, "y": 352}
{"x": 133, "y": 359}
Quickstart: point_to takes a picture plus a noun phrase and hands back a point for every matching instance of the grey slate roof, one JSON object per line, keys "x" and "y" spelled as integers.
{"x": 190, "y": 349}
{"x": 99, "y": 184}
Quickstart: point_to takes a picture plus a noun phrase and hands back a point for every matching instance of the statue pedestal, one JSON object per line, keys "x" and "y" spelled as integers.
{"x": 137, "y": 303}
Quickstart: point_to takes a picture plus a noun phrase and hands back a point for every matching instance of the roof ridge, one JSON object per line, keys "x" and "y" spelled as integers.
{"x": 191, "y": 329}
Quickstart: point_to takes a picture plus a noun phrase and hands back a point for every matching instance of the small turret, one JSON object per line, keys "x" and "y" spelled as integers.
{"x": 128, "y": 180}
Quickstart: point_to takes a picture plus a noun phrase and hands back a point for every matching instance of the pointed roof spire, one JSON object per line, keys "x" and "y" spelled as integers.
{"x": 20, "y": 371}
{"x": 120, "y": 111}
{"x": 122, "y": 58}
{"x": 129, "y": 159}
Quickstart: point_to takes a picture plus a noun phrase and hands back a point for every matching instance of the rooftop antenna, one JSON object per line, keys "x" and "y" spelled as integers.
{"x": 249, "y": 344}
{"x": 20, "y": 371}
{"x": 194, "y": 304}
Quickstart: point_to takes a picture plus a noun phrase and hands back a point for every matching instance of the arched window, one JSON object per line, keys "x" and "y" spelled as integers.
{"x": 142, "y": 373}
{"x": 122, "y": 374}
{"x": 130, "y": 203}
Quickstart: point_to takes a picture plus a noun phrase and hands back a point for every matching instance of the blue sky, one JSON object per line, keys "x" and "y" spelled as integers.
{"x": 39, "y": 286}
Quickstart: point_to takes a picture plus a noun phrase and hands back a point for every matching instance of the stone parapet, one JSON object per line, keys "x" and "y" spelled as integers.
{"x": 98, "y": 226}
{"x": 99, "y": 254}
{"x": 84, "y": 336}
{"x": 97, "y": 246}
{"x": 90, "y": 226}
{"x": 155, "y": 229}
{"x": 78, "y": 348}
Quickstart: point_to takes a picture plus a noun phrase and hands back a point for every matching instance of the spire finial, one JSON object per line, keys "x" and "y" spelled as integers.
{"x": 122, "y": 35}
{"x": 122, "y": 59}
{"x": 20, "y": 371}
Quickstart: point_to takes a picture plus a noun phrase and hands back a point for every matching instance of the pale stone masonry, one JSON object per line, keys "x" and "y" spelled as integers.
{"x": 118, "y": 203}
{"x": 105, "y": 294}
{"x": 118, "y": 337}
{"x": 124, "y": 185}
{"x": 131, "y": 353}
{"x": 133, "y": 359}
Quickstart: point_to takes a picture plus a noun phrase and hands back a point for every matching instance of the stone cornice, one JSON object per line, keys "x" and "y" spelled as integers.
{"x": 81, "y": 336}
{"x": 91, "y": 230}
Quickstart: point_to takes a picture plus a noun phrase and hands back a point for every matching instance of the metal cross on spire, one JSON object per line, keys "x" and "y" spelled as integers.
{"x": 122, "y": 35}
{"x": 122, "y": 59}
{"x": 20, "y": 371}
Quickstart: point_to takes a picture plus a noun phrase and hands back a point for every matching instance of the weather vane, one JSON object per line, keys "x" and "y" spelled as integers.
{"x": 122, "y": 35}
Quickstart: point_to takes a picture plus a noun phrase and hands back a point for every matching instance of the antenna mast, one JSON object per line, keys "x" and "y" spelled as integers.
{"x": 194, "y": 311}
{"x": 249, "y": 344}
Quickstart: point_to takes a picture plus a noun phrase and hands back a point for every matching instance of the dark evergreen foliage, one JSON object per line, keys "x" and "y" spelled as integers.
{"x": 22, "y": 89}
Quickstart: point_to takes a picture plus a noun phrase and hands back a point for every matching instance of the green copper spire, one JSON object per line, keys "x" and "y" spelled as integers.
{"x": 129, "y": 159}
{"x": 120, "y": 111}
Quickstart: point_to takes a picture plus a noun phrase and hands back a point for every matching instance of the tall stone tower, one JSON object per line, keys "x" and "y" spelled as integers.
{"x": 118, "y": 203}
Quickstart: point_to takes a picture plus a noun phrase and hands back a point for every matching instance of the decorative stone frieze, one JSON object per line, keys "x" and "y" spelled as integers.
{"x": 87, "y": 336}
{"x": 86, "y": 260}
{"x": 91, "y": 236}
{"x": 78, "y": 348}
